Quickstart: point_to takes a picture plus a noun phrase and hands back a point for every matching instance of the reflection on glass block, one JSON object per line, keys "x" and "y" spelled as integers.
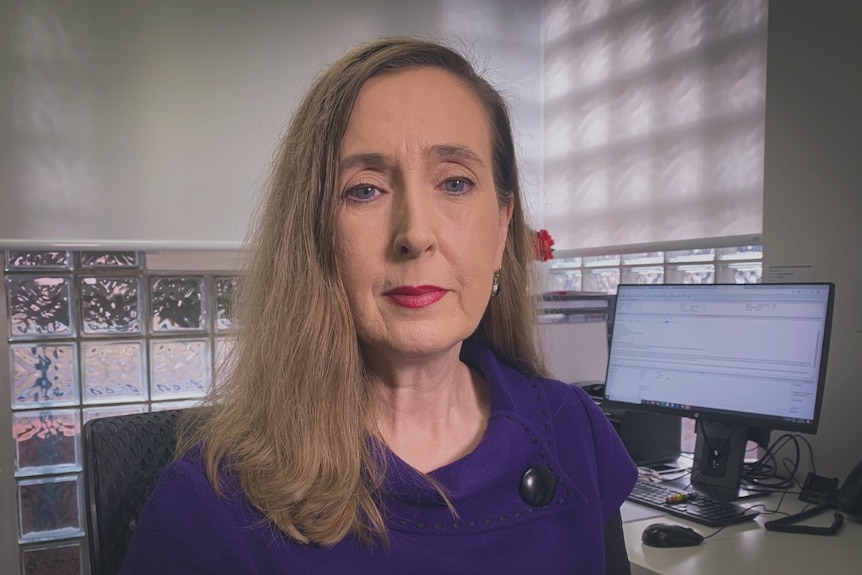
{"x": 168, "y": 405}
{"x": 225, "y": 287}
{"x": 110, "y": 305}
{"x": 568, "y": 280}
{"x": 108, "y": 260}
{"x": 39, "y": 306}
{"x": 599, "y": 261}
{"x": 49, "y": 508}
{"x": 22, "y": 260}
{"x": 700, "y": 255}
{"x": 113, "y": 372}
{"x": 741, "y": 253}
{"x": 176, "y": 304}
{"x": 46, "y": 441}
{"x": 691, "y": 274}
{"x": 44, "y": 375}
{"x": 740, "y": 273}
{"x": 644, "y": 275}
{"x": 565, "y": 263}
{"x": 179, "y": 369}
{"x": 643, "y": 258}
{"x": 602, "y": 280}
{"x": 223, "y": 360}
{"x": 111, "y": 411}
{"x": 62, "y": 559}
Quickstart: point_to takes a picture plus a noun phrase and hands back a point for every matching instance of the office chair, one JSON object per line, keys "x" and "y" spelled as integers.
{"x": 124, "y": 457}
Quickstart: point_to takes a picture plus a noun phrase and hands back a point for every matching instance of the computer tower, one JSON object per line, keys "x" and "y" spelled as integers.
{"x": 649, "y": 438}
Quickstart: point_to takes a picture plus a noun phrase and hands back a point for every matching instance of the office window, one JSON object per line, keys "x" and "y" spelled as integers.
{"x": 654, "y": 127}
{"x": 740, "y": 264}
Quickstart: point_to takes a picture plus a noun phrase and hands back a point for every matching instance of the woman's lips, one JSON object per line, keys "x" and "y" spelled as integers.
{"x": 415, "y": 296}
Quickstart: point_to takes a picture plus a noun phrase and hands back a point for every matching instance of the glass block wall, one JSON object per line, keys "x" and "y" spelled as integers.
{"x": 93, "y": 334}
{"x": 741, "y": 264}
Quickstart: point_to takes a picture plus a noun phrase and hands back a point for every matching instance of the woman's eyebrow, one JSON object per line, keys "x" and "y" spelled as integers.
{"x": 444, "y": 151}
{"x": 364, "y": 159}
{"x": 383, "y": 161}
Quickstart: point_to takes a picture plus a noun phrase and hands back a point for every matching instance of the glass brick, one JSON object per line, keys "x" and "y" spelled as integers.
{"x": 691, "y": 274}
{"x": 110, "y": 305}
{"x": 95, "y": 260}
{"x": 49, "y": 508}
{"x": 44, "y": 375}
{"x": 644, "y": 258}
{"x": 643, "y": 275}
{"x": 179, "y": 369}
{"x": 46, "y": 441}
{"x": 168, "y": 405}
{"x": 225, "y": 287}
{"x": 114, "y": 372}
{"x": 176, "y": 304}
{"x": 601, "y": 261}
{"x": 112, "y": 410}
{"x": 740, "y": 273}
{"x": 62, "y": 559}
{"x": 39, "y": 306}
{"x": 740, "y": 253}
{"x": 698, "y": 255}
{"x": 565, "y": 263}
{"x": 45, "y": 260}
{"x": 568, "y": 280}
{"x": 602, "y": 280}
{"x": 223, "y": 359}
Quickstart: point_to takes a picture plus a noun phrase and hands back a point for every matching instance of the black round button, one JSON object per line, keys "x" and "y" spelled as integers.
{"x": 537, "y": 486}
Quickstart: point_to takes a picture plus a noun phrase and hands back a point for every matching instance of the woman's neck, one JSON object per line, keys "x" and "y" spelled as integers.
{"x": 430, "y": 412}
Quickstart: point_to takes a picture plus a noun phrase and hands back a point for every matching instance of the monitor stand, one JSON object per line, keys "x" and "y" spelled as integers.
{"x": 719, "y": 457}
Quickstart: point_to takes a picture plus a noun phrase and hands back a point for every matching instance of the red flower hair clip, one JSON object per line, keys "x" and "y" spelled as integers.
{"x": 543, "y": 245}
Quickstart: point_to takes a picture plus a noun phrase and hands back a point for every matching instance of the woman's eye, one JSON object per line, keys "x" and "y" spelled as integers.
{"x": 362, "y": 193}
{"x": 457, "y": 186}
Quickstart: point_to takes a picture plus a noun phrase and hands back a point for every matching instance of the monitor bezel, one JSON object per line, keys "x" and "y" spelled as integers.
{"x": 733, "y": 417}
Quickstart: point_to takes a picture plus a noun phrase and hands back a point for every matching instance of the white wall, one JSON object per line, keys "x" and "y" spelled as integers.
{"x": 149, "y": 123}
{"x": 812, "y": 211}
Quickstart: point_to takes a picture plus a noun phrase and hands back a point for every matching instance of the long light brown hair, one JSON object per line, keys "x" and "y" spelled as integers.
{"x": 290, "y": 417}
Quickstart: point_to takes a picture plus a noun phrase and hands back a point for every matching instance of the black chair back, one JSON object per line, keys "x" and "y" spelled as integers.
{"x": 123, "y": 458}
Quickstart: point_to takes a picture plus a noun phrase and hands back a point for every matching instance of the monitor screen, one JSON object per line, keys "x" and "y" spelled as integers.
{"x": 751, "y": 354}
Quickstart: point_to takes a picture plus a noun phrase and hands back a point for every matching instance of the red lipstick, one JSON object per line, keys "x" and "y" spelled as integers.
{"x": 415, "y": 297}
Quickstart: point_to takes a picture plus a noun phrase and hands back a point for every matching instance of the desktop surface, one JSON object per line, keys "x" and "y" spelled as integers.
{"x": 745, "y": 548}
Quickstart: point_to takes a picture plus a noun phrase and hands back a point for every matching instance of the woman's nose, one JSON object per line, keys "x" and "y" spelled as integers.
{"x": 415, "y": 222}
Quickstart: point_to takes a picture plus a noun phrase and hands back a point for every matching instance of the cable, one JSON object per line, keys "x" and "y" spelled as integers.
{"x": 766, "y": 511}
{"x": 765, "y": 470}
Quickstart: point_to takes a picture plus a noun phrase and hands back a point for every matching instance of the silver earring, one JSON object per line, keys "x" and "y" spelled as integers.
{"x": 495, "y": 287}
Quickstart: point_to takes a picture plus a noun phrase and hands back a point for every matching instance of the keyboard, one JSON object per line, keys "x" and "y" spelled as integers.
{"x": 703, "y": 509}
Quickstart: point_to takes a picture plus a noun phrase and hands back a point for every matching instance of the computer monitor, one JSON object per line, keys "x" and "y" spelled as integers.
{"x": 734, "y": 357}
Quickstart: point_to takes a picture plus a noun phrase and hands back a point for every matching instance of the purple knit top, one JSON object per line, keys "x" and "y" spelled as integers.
{"x": 186, "y": 528}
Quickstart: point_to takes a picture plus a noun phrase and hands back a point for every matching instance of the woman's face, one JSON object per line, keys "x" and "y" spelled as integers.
{"x": 419, "y": 229}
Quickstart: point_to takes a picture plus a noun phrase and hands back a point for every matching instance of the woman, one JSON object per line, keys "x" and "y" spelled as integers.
{"x": 387, "y": 411}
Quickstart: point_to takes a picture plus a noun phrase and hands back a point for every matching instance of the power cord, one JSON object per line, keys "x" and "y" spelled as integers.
{"x": 764, "y": 473}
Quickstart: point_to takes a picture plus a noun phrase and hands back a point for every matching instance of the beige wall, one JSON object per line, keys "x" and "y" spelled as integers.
{"x": 813, "y": 190}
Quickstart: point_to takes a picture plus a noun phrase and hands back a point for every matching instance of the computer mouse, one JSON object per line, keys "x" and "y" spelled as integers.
{"x": 670, "y": 535}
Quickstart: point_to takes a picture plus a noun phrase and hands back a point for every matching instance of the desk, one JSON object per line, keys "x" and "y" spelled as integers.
{"x": 746, "y": 548}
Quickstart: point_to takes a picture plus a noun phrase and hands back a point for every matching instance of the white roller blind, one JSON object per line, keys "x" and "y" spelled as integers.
{"x": 654, "y": 120}
{"x": 149, "y": 124}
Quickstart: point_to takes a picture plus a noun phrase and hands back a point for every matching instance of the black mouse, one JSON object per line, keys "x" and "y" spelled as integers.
{"x": 670, "y": 535}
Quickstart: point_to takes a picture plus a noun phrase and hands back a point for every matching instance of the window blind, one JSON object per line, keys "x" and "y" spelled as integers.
{"x": 654, "y": 121}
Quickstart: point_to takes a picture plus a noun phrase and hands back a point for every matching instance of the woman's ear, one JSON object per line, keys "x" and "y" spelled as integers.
{"x": 506, "y": 212}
